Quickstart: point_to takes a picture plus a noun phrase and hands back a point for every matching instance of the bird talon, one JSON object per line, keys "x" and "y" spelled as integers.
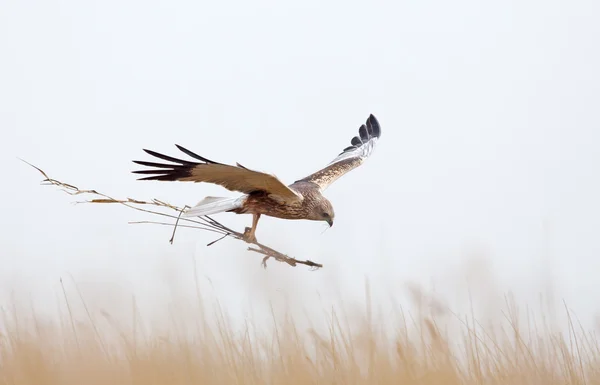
{"x": 248, "y": 236}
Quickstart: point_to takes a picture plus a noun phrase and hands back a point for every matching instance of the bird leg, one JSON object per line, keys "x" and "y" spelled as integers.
{"x": 249, "y": 233}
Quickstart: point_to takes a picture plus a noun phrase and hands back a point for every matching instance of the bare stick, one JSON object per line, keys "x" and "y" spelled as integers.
{"x": 176, "y": 222}
{"x": 205, "y": 223}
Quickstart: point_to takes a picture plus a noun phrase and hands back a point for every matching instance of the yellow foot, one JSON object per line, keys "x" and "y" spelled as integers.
{"x": 248, "y": 236}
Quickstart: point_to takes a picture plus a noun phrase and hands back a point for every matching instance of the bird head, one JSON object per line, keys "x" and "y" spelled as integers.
{"x": 323, "y": 211}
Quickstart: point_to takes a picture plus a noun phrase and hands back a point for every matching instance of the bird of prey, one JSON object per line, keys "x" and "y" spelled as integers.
{"x": 265, "y": 194}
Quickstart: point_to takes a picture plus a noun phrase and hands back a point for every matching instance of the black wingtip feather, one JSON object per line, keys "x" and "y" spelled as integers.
{"x": 159, "y": 165}
{"x": 373, "y": 126}
{"x": 149, "y": 171}
{"x": 167, "y": 177}
{"x": 194, "y": 155}
{"x": 364, "y": 135}
{"x": 169, "y": 158}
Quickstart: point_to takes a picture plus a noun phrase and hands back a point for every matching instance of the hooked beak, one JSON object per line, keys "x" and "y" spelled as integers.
{"x": 330, "y": 222}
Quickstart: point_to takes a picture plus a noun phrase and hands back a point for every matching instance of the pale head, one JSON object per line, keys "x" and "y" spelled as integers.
{"x": 322, "y": 211}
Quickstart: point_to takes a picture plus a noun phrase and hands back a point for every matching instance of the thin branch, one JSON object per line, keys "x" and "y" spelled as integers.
{"x": 176, "y": 223}
{"x": 205, "y": 223}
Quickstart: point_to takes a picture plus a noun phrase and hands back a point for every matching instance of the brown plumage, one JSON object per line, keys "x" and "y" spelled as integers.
{"x": 265, "y": 194}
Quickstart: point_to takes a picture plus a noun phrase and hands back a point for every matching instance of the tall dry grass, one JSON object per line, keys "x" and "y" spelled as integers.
{"x": 433, "y": 347}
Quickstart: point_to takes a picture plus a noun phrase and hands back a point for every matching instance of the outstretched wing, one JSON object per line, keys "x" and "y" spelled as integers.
{"x": 353, "y": 156}
{"x": 234, "y": 178}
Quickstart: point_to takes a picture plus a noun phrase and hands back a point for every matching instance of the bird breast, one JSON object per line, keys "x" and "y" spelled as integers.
{"x": 261, "y": 202}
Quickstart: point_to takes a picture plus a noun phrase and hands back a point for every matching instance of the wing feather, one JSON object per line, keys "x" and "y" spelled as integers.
{"x": 356, "y": 141}
{"x": 234, "y": 178}
{"x": 351, "y": 157}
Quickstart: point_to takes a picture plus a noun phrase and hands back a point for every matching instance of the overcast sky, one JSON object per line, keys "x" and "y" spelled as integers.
{"x": 489, "y": 148}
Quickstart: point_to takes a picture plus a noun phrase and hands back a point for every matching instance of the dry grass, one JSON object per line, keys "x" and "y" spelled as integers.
{"x": 435, "y": 347}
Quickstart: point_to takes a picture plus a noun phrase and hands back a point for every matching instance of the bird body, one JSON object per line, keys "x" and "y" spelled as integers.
{"x": 312, "y": 205}
{"x": 265, "y": 194}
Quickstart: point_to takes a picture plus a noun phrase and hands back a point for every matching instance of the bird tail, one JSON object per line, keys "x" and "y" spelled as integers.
{"x": 214, "y": 205}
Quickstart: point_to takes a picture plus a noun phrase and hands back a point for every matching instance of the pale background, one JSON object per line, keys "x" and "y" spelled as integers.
{"x": 489, "y": 147}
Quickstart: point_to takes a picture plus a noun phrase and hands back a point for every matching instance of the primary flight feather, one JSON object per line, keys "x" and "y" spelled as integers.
{"x": 265, "y": 194}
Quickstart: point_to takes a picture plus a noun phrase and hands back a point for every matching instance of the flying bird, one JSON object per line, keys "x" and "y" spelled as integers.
{"x": 265, "y": 194}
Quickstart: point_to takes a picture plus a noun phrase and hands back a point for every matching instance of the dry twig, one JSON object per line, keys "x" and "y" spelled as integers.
{"x": 202, "y": 223}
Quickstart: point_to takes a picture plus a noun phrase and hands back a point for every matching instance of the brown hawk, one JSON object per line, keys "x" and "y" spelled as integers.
{"x": 265, "y": 194}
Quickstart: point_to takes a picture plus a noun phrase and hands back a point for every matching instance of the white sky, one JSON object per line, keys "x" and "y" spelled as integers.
{"x": 490, "y": 134}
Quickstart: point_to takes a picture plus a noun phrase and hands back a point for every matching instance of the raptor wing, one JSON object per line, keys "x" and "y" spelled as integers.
{"x": 234, "y": 178}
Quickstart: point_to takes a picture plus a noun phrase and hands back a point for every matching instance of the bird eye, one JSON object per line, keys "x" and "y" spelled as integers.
{"x": 325, "y": 215}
